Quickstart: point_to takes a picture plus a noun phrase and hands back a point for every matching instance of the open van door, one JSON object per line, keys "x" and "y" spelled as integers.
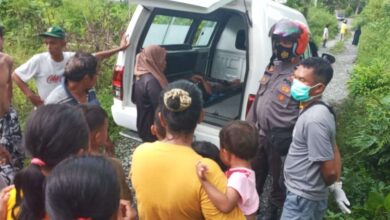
{"x": 199, "y": 6}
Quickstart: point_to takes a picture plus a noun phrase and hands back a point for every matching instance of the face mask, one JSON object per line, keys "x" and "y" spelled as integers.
{"x": 283, "y": 54}
{"x": 301, "y": 92}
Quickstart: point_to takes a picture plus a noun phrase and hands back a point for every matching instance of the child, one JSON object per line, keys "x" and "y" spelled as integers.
{"x": 52, "y": 134}
{"x": 239, "y": 141}
{"x": 84, "y": 187}
{"x": 97, "y": 121}
{"x": 208, "y": 150}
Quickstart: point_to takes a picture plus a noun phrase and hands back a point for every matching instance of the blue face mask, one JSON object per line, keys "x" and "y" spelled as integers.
{"x": 301, "y": 92}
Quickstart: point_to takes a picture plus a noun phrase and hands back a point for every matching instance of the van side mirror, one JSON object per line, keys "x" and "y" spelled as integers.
{"x": 328, "y": 57}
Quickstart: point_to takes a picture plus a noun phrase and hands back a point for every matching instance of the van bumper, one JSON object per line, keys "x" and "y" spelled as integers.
{"x": 124, "y": 116}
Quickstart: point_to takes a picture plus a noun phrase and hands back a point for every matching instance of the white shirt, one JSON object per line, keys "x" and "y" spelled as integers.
{"x": 325, "y": 35}
{"x": 46, "y": 72}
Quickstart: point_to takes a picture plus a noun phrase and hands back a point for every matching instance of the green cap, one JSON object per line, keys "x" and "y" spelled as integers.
{"x": 54, "y": 31}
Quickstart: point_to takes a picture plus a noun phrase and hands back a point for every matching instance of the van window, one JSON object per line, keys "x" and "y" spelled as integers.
{"x": 167, "y": 30}
{"x": 203, "y": 33}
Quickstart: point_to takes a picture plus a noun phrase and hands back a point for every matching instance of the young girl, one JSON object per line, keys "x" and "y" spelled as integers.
{"x": 84, "y": 187}
{"x": 97, "y": 121}
{"x": 52, "y": 133}
{"x": 238, "y": 141}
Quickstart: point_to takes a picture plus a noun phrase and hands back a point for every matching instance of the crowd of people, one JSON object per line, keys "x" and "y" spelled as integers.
{"x": 71, "y": 173}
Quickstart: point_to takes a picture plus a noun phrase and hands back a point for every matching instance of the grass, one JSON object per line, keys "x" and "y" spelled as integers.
{"x": 338, "y": 47}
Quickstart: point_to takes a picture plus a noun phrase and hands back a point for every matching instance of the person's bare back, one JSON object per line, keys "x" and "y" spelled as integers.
{"x": 5, "y": 83}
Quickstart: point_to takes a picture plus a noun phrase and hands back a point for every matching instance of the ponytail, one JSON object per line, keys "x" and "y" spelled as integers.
{"x": 53, "y": 133}
{"x": 30, "y": 181}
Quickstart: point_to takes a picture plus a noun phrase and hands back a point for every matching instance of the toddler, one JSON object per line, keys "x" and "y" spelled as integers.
{"x": 239, "y": 141}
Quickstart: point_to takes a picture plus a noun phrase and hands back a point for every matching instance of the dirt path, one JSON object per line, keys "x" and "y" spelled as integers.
{"x": 337, "y": 89}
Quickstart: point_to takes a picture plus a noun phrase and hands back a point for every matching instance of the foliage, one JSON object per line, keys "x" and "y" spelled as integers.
{"x": 90, "y": 25}
{"x": 364, "y": 124}
{"x": 339, "y": 47}
{"x": 317, "y": 19}
{"x": 330, "y": 5}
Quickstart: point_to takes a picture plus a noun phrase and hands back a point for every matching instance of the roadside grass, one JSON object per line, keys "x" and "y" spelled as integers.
{"x": 338, "y": 47}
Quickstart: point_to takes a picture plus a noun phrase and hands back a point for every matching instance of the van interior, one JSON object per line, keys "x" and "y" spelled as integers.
{"x": 211, "y": 45}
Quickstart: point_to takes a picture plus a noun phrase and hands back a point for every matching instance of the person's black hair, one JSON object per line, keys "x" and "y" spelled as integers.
{"x": 208, "y": 150}
{"x": 1, "y": 31}
{"x": 323, "y": 71}
{"x": 95, "y": 116}
{"x": 80, "y": 65}
{"x": 82, "y": 187}
{"x": 180, "y": 120}
{"x": 240, "y": 138}
{"x": 52, "y": 133}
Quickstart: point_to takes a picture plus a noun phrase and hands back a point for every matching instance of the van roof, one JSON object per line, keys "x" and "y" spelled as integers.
{"x": 199, "y": 6}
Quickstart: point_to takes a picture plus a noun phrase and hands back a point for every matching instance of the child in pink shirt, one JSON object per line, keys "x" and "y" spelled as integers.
{"x": 239, "y": 141}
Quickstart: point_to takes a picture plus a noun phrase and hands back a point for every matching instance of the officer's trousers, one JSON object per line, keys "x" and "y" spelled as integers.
{"x": 268, "y": 161}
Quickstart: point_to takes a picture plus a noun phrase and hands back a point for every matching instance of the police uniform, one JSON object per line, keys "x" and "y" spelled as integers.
{"x": 274, "y": 108}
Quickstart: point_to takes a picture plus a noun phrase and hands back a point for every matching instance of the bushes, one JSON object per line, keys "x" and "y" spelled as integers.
{"x": 364, "y": 125}
{"x": 90, "y": 25}
{"x": 317, "y": 19}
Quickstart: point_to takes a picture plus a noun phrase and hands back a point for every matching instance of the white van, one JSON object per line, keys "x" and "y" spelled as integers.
{"x": 221, "y": 39}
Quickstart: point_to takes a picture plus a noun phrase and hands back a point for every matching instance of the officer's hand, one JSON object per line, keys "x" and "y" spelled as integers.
{"x": 340, "y": 197}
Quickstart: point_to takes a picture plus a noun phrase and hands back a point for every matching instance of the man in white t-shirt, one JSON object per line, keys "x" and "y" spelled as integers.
{"x": 47, "y": 68}
{"x": 325, "y": 35}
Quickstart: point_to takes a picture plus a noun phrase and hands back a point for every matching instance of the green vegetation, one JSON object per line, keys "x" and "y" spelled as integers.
{"x": 90, "y": 25}
{"x": 364, "y": 121}
{"x": 348, "y": 6}
{"x": 338, "y": 47}
{"x": 317, "y": 19}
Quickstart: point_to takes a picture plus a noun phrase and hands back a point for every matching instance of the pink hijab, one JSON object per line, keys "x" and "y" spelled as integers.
{"x": 152, "y": 59}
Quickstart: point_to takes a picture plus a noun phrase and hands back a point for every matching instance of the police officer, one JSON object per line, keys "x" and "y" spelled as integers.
{"x": 274, "y": 110}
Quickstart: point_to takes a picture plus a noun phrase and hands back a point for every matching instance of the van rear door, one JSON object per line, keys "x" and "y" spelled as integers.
{"x": 197, "y": 6}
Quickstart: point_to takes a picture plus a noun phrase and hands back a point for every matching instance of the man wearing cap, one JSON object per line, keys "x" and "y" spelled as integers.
{"x": 10, "y": 133}
{"x": 47, "y": 68}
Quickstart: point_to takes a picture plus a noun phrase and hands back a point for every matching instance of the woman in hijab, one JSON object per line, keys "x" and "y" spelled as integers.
{"x": 149, "y": 81}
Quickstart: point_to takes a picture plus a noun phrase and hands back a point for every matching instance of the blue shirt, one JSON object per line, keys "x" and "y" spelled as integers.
{"x": 62, "y": 95}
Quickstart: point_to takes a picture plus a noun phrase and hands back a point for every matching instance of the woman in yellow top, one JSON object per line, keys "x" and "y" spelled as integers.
{"x": 163, "y": 173}
{"x": 343, "y": 30}
{"x": 53, "y": 133}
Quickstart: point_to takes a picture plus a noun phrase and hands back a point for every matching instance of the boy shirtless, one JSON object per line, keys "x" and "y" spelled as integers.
{"x": 10, "y": 134}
